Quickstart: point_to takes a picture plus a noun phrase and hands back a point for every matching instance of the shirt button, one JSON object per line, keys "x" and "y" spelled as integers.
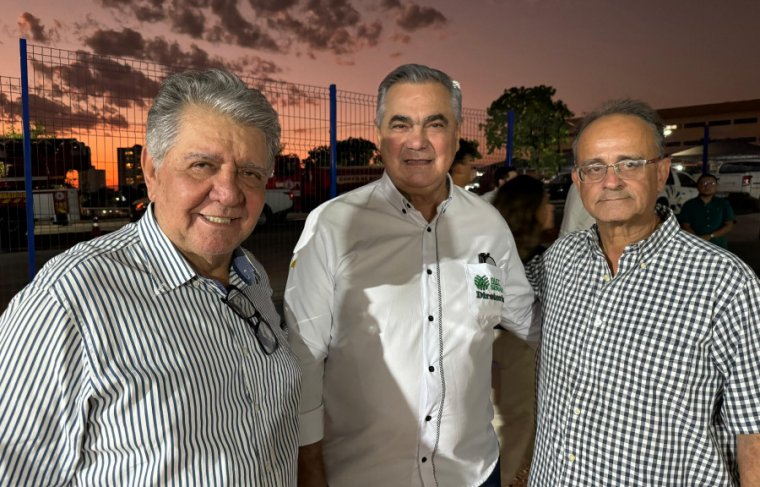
{"x": 577, "y": 411}
{"x": 430, "y": 318}
{"x": 428, "y": 418}
{"x": 424, "y": 459}
{"x": 598, "y": 322}
{"x": 606, "y": 278}
{"x": 643, "y": 265}
{"x": 429, "y": 271}
{"x": 403, "y": 211}
{"x": 244, "y": 350}
{"x": 429, "y": 229}
{"x": 431, "y": 368}
{"x": 571, "y": 458}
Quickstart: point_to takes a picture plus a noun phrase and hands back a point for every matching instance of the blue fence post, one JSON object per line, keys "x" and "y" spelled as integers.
{"x": 510, "y": 136}
{"x": 31, "y": 264}
{"x": 333, "y": 141}
{"x": 706, "y": 150}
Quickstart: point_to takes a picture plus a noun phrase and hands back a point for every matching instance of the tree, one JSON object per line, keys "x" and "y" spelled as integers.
{"x": 353, "y": 151}
{"x": 541, "y": 125}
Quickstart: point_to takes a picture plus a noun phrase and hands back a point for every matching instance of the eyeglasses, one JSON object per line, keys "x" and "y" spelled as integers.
{"x": 242, "y": 306}
{"x": 625, "y": 169}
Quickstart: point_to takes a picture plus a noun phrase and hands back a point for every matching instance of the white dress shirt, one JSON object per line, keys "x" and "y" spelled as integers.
{"x": 392, "y": 320}
{"x": 575, "y": 216}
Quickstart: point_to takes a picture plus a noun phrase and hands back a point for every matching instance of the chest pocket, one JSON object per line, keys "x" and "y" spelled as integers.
{"x": 485, "y": 292}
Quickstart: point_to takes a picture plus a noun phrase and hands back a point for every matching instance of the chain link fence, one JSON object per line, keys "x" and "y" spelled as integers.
{"x": 87, "y": 118}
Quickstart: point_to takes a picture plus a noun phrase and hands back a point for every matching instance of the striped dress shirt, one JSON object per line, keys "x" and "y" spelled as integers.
{"x": 119, "y": 365}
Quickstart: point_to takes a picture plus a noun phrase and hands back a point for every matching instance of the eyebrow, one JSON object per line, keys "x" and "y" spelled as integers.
{"x": 202, "y": 155}
{"x": 438, "y": 117}
{"x": 623, "y": 157}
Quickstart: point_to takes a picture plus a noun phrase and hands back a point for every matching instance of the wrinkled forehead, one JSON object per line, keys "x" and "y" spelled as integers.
{"x": 617, "y": 136}
{"x": 418, "y": 101}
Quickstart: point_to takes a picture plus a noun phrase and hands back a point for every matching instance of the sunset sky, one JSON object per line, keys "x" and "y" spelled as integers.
{"x": 670, "y": 53}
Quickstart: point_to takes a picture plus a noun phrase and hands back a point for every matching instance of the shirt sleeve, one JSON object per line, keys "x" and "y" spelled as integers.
{"x": 518, "y": 310}
{"x": 43, "y": 415}
{"x": 736, "y": 349}
{"x": 308, "y": 313}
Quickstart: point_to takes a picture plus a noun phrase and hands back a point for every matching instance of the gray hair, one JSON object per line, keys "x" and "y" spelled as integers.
{"x": 218, "y": 90}
{"x": 417, "y": 73}
{"x": 626, "y": 106}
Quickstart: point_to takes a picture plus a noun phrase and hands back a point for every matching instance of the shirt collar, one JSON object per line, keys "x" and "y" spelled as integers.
{"x": 398, "y": 201}
{"x": 648, "y": 246}
{"x": 170, "y": 268}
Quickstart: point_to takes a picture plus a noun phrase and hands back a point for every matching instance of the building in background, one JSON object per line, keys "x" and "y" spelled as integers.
{"x": 129, "y": 167}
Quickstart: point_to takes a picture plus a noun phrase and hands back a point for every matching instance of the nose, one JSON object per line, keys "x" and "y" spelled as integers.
{"x": 611, "y": 178}
{"x": 225, "y": 187}
{"x": 417, "y": 139}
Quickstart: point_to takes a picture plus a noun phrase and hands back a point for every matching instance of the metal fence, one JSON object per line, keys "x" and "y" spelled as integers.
{"x": 87, "y": 117}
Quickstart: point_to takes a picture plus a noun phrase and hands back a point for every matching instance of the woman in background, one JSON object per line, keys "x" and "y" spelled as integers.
{"x": 524, "y": 204}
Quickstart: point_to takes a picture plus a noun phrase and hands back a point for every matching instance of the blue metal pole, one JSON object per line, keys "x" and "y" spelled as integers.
{"x": 333, "y": 141}
{"x": 706, "y": 150}
{"x": 510, "y": 137}
{"x": 27, "y": 133}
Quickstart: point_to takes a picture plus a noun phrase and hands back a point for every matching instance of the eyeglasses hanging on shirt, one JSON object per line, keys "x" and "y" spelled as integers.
{"x": 241, "y": 305}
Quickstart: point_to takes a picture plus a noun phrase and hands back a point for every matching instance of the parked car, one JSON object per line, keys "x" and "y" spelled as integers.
{"x": 740, "y": 177}
{"x": 559, "y": 186}
{"x": 277, "y": 204}
{"x": 680, "y": 188}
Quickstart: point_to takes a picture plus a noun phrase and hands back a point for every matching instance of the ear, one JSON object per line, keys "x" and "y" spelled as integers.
{"x": 576, "y": 179}
{"x": 663, "y": 170}
{"x": 149, "y": 171}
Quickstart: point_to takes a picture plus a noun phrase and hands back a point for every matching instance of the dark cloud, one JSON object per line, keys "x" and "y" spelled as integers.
{"x": 238, "y": 30}
{"x": 31, "y": 27}
{"x": 370, "y": 32}
{"x": 62, "y": 116}
{"x": 332, "y": 13}
{"x": 416, "y": 17}
{"x": 126, "y": 42}
{"x": 272, "y": 5}
{"x": 186, "y": 20}
{"x": 143, "y": 10}
{"x": 390, "y": 4}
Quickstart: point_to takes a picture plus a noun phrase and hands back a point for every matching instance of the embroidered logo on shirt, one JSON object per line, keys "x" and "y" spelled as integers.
{"x": 483, "y": 284}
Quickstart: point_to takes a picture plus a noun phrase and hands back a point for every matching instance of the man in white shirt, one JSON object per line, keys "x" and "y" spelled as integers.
{"x": 393, "y": 294}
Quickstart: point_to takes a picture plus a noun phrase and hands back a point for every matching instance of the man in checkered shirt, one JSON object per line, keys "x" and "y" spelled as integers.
{"x": 650, "y": 357}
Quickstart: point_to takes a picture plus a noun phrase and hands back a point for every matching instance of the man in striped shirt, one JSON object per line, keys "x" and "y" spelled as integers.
{"x": 154, "y": 355}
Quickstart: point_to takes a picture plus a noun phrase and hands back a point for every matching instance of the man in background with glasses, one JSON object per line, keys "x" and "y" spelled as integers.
{"x": 392, "y": 298}
{"x": 650, "y": 350}
{"x": 707, "y": 216}
{"x": 154, "y": 355}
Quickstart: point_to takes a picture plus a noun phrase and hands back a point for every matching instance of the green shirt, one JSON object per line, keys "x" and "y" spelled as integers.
{"x": 707, "y": 218}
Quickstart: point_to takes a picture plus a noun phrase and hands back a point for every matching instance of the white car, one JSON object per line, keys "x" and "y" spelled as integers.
{"x": 740, "y": 177}
{"x": 680, "y": 188}
{"x": 277, "y": 204}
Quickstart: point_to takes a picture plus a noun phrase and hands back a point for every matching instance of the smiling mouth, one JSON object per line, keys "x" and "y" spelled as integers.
{"x": 417, "y": 162}
{"x": 218, "y": 219}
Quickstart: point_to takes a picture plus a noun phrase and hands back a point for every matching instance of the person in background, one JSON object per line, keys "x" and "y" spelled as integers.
{"x": 501, "y": 175}
{"x": 524, "y": 204}
{"x": 154, "y": 355}
{"x": 462, "y": 172}
{"x": 392, "y": 297}
{"x": 707, "y": 216}
{"x": 649, "y": 370}
{"x": 574, "y": 216}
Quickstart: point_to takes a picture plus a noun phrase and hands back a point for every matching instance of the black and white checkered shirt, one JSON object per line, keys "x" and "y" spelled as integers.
{"x": 646, "y": 377}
